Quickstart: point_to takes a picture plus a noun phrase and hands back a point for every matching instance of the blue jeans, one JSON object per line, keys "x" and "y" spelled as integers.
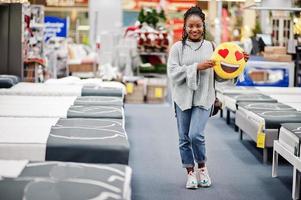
{"x": 191, "y": 125}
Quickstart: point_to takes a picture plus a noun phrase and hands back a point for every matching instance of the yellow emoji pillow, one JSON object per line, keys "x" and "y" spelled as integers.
{"x": 229, "y": 60}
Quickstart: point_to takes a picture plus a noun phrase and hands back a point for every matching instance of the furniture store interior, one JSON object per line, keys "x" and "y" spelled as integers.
{"x": 150, "y": 99}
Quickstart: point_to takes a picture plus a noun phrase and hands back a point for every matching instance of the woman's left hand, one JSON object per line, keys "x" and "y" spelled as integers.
{"x": 246, "y": 56}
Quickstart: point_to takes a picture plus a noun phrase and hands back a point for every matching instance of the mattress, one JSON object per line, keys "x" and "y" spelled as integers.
{"x": 232, "y": 89}
{"x": 6, "y": 82}
{"x": 274, "y": 119}
{"x": 72, "y": 80}
{"x": 297, "y": 106}
{"x": 263, "y": 106}
{"x": 38, "y": 110}
{"x": 99, "y": 101}
{"x": 290, "y": 137}
{"x": 41, "y": 89}
{"x": 59, "y": 100}
{"x": 251, "y": 121}
{"x": 222, "y": 90}
{"x": 279, "y": 90}
{"x": 231, "y": 100}
{"x": 116, "y": 124}
{"x": 101, "y": 91}
{"x": 287, "y": 98}
{"x": 62, "y": 110}
{"x": 35, "y": 100}
{"x": 76, "y": 140}
{"x": 87, "y": 144}
{"x": 74, "y": 181}
{"x": 15, "y": 79}
{"x": 24, "y": 138}
{"x": 112, "y": 112}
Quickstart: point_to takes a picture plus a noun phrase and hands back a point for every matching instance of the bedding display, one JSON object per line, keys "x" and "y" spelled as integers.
{"x": 232, "y": 99}
{"x": 41, "y": 89}
{"x": 252, "y": 121}
{"x": 87, "y": 144}
{"x": 288, "y": 146}
{"x": 99, "y": 101}
{"x": 290, "y": 137}
{"x": 60, "y": 111}
{"x": 295, "y": 105}
{"x": 24, "y": 138}
{"x": 101, "y": 91}
{"x": 78, "y": 111}
{"x": 116, "y": 124}
{"x": 61, "y": 100}
{"x": 263, "y": 106}
{"x": 75, "y": 140}
{"x": 222, "y": 90}
{"x": 292, "y": 98}
{"x": 7, "y": 81}
{"x": 65, "y": 180}
{"x": 279, "y": 90}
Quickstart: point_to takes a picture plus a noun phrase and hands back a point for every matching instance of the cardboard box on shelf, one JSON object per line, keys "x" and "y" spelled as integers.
{"x": 275, "y": 50}
{"x": 135, "y": 87}
{"x": 156, "y": 90}
{"x": 81, "y": 67}
{"x": 278, "y": 57}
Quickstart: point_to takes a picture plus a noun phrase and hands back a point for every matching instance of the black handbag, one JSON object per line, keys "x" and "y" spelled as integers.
{"x": 217, "y": 105}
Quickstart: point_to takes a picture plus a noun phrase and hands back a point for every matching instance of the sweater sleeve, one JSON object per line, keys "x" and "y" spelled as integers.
{"x": 179, "y": 74}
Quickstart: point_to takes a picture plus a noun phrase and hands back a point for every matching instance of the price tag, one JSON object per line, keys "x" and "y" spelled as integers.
{"x": 158, "y": 92}
{"x": 260, "y": 137}
{"x": 129, "y": 88}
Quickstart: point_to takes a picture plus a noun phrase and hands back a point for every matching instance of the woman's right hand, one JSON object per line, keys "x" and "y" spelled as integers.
{"x": 206, "y": 64}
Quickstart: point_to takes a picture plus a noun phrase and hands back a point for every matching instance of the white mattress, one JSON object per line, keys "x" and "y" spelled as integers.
{"x": 35, "y": 100}
{"x": 71, "y": 80}
{"x": 12, "y": 168}
{"x": 41, "y": 89}
{"x": 222, "y": 90}
{"x": 256, "y": 119}
{"x": 279, "y": 90}
{"x": 230, "y": 103}
{"x": 34, "y": 110}
{"x": 229, "y": 89}
{"x": 285, "y": 98}
{"x": 24, "y": 138}
{"x": 35, "y": 106}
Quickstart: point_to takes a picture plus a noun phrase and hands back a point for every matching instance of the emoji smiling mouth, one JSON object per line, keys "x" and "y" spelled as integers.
{"x": 229, "y": 68}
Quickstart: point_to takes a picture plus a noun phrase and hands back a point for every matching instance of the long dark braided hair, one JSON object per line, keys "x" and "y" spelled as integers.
{"x": 195, "y": 10}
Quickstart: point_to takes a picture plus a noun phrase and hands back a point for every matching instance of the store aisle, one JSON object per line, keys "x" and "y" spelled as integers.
{"x": 235, "y": 167}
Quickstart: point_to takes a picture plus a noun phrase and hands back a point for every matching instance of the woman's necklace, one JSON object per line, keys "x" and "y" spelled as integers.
{"x": 202, "y": 41}
{"x": 200, "y": 45}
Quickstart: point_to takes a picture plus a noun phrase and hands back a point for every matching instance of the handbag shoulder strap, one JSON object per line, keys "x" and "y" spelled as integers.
{"x": 213, "y": 48}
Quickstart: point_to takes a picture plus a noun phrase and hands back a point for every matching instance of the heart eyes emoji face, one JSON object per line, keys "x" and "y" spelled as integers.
{"x": 229, "y": 60}
{"x": 223, "y": 52}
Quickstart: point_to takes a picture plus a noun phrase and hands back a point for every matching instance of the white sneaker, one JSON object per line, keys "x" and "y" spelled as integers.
{"x": 203, "y": 177}
{"x": 192, "y": 182}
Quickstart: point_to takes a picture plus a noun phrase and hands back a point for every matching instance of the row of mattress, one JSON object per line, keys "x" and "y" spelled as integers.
{"x": 262, "y": 109}
{"x": 288, "y": 146}
{"x": 271, "y": 116}
{"x": 68, "y": 140}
